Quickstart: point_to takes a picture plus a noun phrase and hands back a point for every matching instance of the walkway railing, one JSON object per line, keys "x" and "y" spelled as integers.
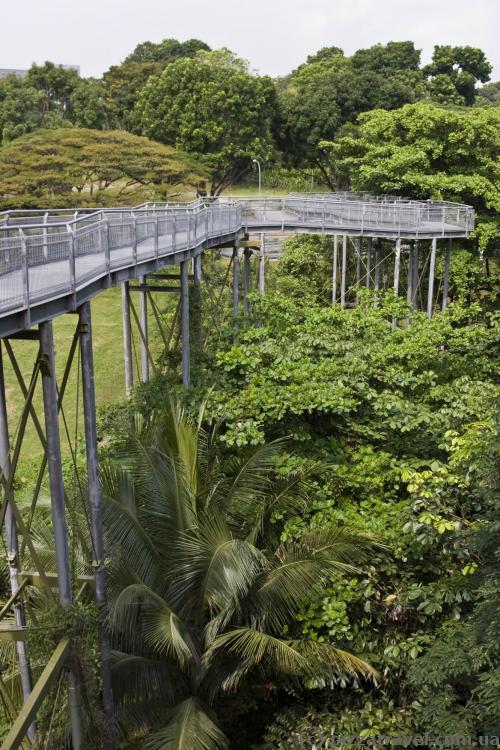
{"x": 47, "y": 254}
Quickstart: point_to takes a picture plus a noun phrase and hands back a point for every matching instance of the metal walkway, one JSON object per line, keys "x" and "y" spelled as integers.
{"x": 51, "y": 262}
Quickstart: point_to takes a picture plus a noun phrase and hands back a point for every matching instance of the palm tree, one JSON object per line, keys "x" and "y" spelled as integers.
{"x": 203, "y": 594}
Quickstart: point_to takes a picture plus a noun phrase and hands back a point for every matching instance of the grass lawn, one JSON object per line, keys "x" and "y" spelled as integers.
{"x": 108, "y": 365}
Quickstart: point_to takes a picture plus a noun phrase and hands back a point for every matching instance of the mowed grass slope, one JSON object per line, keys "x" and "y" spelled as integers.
{"x": 108, "y": 365}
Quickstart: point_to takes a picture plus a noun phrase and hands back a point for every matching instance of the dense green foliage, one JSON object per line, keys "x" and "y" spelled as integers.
{"x": 212, "y": 107}
{"x": 424, "y": 151}
{"x": 89, "y": 167}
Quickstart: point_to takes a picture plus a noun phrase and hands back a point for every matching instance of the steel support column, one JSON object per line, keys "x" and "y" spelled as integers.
{"x": 397, "y": 265}
{"x": 236, "y": 283}
{"x": 343, "y": 271}
{"x": 143, "y": 315}
{"x": 186, "y": 354}
{"x": 416, "y": 274}
{"x": 446, "y": 275}
{"x": 262, "y": 264}
{"x": 334, "y": 268}
{"x": 430, "y": 289}
{"x": 95, "y": 503}
{"x": 376, "y": 275}
{"x": 368, "y": 262}
{"x": 197, "y": 271}
{"x": 247, "y": 253}
{"x": 12, "y": 543}
{"x": 358, "y": 267}
{"x": 57, "y": 504}
{"x": 409, "y": 288}
{"x": 127, "y": 339}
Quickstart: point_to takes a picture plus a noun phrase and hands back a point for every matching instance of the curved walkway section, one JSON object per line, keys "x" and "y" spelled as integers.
{"x": 50, "y": 262}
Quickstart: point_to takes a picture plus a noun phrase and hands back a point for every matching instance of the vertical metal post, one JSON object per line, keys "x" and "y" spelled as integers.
{"x": 446, "y": 276}
{"x": 334, "y": 269}
{"x": 343, "y": 271}
{"x": 236, "y": 280}
{"x": 127, "y": 339}
{"x": 186, "y": 354}
{"x": 376, "y": 275}
{"x": 197, "y": 270}
{"x": 416, "y": 275}
{"x": 397, "y": 264}
{"x": 368, "y": 262}
{"x": 246, "y": 281}
{"x": 143, "y": 313}
{"x": 409, "y": 288}
{"x": 12, "y": 544}
{"x": 358, "y": 267}
{"x": 57, "y": 504}
{"x": 95, "y": 503}
{"x": 430, "y": 290}
{"x": 262, "y": 264}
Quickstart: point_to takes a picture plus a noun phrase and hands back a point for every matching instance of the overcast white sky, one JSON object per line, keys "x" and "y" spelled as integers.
{"x": 274, "y": 35}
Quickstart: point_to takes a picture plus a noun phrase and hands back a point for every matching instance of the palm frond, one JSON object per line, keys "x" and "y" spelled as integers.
{"x": 189, "y": 727}
{"x": 161, "y": 627}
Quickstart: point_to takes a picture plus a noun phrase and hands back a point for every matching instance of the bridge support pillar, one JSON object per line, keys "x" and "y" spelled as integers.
{"x": 430, "y": 288}
{"x": 397, "y": 265}
{"x": 186, "y": 354}
{"x": 95, "y": 503}
{"x": 57, "y": 504}
{"x": 236, "y": 283}
{"x": 334, "y": 267}
{"x": 358, "y": 268}
{"x": 343, "y": 271}
{"x": 247, "y": 253}
{"x": 411, "y": 275}
{"x": 197, "y": 271}
{"x": 446, "y": 275}
{"x": 368, "y": 262}
{"x": 127, "y": 339}
{"x": 376, "y": 270}
{"x": 143, "y": 313}
{"x": 262, "y": 264}
{"x": 416, "y": 274}
{"x": 12, "y": 543}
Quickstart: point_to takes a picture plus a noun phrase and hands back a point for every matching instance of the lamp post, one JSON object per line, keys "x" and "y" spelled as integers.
{"x": 256, "y": 161}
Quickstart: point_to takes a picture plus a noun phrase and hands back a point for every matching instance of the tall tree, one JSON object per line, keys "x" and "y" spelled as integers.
{"x": 212, "y": 107}
{"x": 454, "y": 73}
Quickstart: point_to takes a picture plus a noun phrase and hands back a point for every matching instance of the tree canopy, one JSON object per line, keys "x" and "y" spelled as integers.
{"x": 73, "y": 166}
{"x": 212, "y": 107}
{"x": 425, "y": 151}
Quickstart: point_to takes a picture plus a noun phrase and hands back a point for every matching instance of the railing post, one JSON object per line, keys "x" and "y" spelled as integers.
{"x": 72, "y": 260}
{"x": 106, "y": 239}
{"x": 26, "y": 275}
{"x": 174, "y": 233}
{"x": 135, "y": 241}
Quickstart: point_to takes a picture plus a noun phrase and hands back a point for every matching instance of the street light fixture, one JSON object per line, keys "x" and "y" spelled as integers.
{"x": 256, "y": 161}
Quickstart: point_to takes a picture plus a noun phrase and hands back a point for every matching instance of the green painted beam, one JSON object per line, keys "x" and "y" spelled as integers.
{"x": 40, "y": 691}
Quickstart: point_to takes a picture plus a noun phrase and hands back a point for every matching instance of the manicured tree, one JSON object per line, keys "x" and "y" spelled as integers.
{"x": 203, "y": 592}
{"x": 73, "y": 166}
